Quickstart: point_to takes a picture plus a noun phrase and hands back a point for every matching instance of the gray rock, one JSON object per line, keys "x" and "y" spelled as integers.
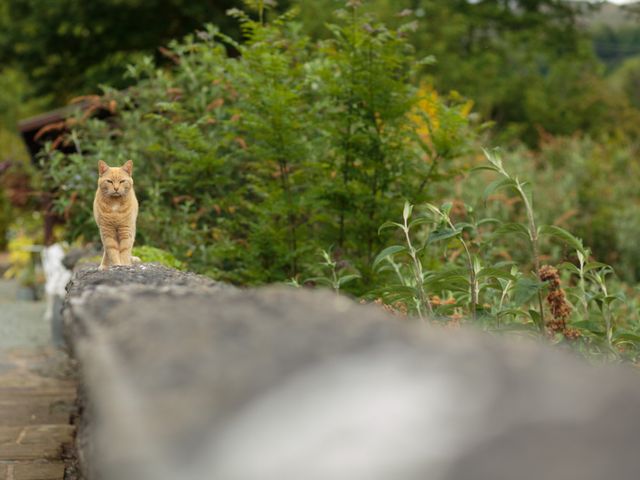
{"x": 188, "y": 379}
{"x": 87, "y": 278}
{"x": 74, "y": 255}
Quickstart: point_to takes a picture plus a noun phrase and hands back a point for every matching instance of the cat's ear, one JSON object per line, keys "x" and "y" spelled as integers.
{"x": 128, "y": 167}
{"x": 102, "y": 167}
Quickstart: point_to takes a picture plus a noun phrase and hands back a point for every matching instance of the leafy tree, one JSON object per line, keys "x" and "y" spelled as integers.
{"x": 375, "y": 144}
{"x": 500, "y": 53}
{"x": 626, "y": 79}
{"x": 69, "y": 47}
{"x": 16, "y": 98}
{"x": 615, "y": 45}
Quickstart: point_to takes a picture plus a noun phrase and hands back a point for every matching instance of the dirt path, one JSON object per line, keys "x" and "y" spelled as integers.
{"x": 37, "y": 393}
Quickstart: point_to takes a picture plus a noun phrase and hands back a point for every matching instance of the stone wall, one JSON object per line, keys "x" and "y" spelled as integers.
{"x": 187, "y": 379}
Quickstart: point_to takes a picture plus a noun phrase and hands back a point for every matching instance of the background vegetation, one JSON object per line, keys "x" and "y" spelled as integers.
{"x": 334, "y": 143}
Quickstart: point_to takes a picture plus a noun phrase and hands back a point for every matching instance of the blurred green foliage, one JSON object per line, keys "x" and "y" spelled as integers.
{"x": 527, "y": 64}
{"x": 69, "y": 47}
{"x": 626, "y": 79}
{"x": 148, "y": 254}
{"x": 15, "y": 176}
{"x": 5, "y": 220}
{"x": 247, "y": 166}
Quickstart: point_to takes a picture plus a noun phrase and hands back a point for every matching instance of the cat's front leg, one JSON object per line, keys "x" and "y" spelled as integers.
{"x": 104, "y": 264}
{"x": 111, "y": 248}
{"x": 126, "y": 237}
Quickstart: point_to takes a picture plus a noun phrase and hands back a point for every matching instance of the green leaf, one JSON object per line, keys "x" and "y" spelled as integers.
{"x": 569, "y": 267}
{"x": 319, "y": 280}
{"x": 595, "y": 265}
{"x": 512, "y": 227}
{"x": 395, "y": 289}
{"x": 451, "y": 279}
{"x": 495, "y": 273}
{"x": 465, "y": 226}
{"x": 535, "y": 316}
{"x": 485, "y": 167}
{"x": 609, "y": 299}
{"x": 489, "y": 220}
{"x": 442, "y": 234}
{"x": 451, "y": 282}
{"x": 626, "y": 337}
{"x": 448, "y": 273}
{"x": 385, "y": 268}
{"x": 445, "y": 208}
{"x": 493, "y": 157}
{"x": 393, "y": 293}
{"x": 589, "y": 325}
{"x": 493, "y": 287}
{"x": 419, "y": 221}
{"x": 497, "y": 185}
{"x": 428, "y": 60}
{"x": 525, "y": 289}
{"x": 388, "y": 252}
{"x": 507, "y": 263}
{"x": 516, "y": 312}
{"x": 476, "y": 264}
{"x": 392, "y": 298}
{"x": 406, "y": 212}
{"x": 563, "y": 235}
{"x": 435, "y": 210}
{"x": 386, "y": 225}
{"x": 347, "y": 278}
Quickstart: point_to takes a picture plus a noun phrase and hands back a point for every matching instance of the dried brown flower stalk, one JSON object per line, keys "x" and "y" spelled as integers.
{"x": 398, "y": 308}
{"x": 557, "y": 300}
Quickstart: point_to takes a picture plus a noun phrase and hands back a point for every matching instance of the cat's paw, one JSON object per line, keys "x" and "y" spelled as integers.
{"x": 136, "y": 260}
{"x": 103, "y": 267}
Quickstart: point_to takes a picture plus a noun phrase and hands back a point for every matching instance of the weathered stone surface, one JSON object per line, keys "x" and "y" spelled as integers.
{"x": 88, "y": 278}
{"x": 186, "y": 379}
{"x": 74, "y": 255}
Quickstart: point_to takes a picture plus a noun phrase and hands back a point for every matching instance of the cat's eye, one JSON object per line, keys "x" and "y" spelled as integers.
{"x": 110, "y": 182}
{"x": 122, "y": 181}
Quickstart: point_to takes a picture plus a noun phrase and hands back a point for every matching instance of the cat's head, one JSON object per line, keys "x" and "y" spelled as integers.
{"x": 115, "y": 181}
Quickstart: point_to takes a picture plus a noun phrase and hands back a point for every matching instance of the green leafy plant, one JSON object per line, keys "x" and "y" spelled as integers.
{"x": 530, "y": 230}
{"x": 335, "y": 276}
{"x": 463, "y": 281}
{"x": 414, "y": 284}
{"x": 148, "y": 254}
{"x": 471, "y": 282}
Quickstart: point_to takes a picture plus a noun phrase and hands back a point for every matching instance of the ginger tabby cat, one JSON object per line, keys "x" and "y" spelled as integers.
{"x": 115, "y": 209}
